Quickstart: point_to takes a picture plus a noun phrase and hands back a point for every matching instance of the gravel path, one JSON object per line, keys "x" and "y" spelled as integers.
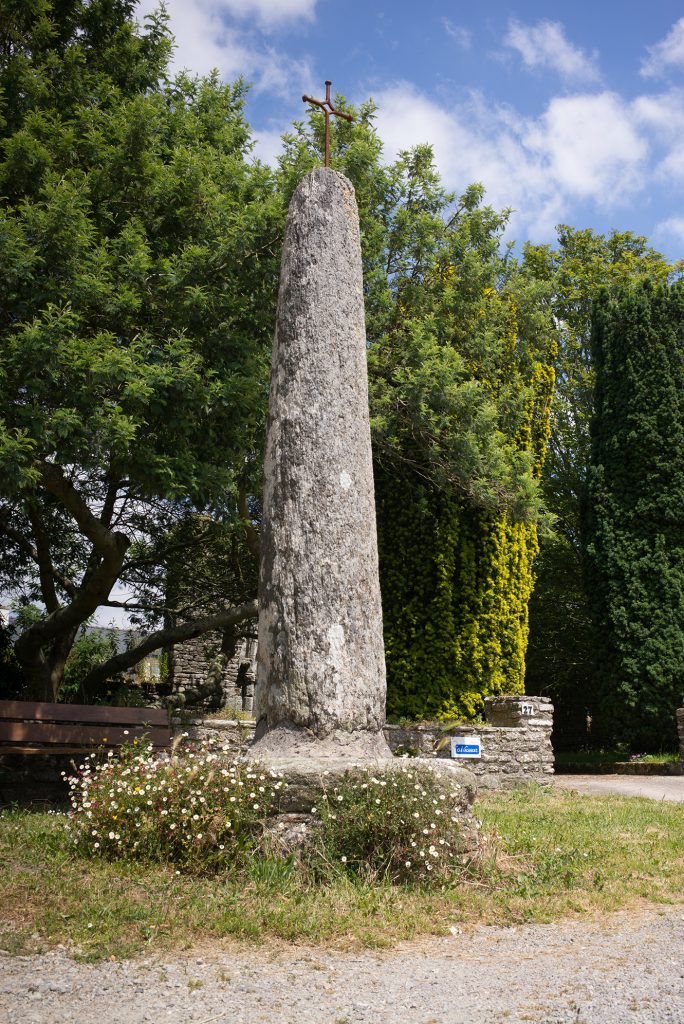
{"x": 627, "y": 968}
{"x": 656, "y": 787}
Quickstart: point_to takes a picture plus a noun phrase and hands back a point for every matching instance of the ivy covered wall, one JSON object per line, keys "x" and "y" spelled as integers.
{"x": 456, "y": 585}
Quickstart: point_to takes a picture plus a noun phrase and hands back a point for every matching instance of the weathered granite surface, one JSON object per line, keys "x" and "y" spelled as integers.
{"x": 321, "y": 667}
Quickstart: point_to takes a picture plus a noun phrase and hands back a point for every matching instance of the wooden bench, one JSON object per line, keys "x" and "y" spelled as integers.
{"x": 28, "y": 727}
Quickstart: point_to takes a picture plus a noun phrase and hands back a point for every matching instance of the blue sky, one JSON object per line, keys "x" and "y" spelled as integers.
{"x": 567, "y": 113}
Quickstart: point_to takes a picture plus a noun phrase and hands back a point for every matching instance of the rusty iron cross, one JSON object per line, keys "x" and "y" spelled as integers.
{"x": 328, "y": 109}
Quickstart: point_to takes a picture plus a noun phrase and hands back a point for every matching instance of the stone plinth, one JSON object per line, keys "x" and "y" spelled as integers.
{"x": 306, "y": 780}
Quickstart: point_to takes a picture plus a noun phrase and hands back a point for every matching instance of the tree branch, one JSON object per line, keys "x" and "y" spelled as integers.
{"x": 104, "y": 567}
{"x": 163, "y": 553}
{"x": 44, "y": 560}
{"x": 67, "y": 584}
{"x": 107, "y": 542}
{"x": 167, "y": 637}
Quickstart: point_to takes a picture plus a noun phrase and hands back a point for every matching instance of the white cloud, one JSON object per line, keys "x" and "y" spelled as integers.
{"x": 662, "y": 115}
{"x": 544, "y": 46}
{"x": 670, "y": 170}
{"x": 462, "y": 36}
{"x": 669, "y": 52}
{"x": 206, "y": 39}
{"x": 270, "y": 12}
{"x": 591, "y": 146}
{"x": 585, "y": 147}
{"x": 268, "y": 146}
{"x": 672, "y": 228}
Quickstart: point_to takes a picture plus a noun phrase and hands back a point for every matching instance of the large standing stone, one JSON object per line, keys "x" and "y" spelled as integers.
{"x": 321, "y": 669}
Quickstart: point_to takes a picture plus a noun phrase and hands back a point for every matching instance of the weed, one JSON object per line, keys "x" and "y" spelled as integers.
{"x": 197, "y": 810}
{"x": 397, "y": 825}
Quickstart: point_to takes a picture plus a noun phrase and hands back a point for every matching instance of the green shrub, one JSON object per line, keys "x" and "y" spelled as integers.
{"x": 633, "y": 528}
{"x": 397, "y": 825}
{"x": 199, "y": 810}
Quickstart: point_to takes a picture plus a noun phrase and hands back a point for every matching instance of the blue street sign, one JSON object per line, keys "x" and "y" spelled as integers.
{"x": 466, "y": 746}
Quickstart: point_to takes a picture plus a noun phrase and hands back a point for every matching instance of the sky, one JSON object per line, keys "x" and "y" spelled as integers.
{"x": 568, "y": 113}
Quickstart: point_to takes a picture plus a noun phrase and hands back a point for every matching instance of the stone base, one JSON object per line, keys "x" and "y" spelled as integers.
{"x": 287, "y": 742}
{"x": 307, "y": 777}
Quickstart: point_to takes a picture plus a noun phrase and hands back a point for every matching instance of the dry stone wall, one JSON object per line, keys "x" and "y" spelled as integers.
{"x": 204, "y": 677}
{"x": 516, "y": 741}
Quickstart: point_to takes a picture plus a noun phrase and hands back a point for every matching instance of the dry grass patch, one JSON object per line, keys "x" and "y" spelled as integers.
{"x": 545, "y": 855}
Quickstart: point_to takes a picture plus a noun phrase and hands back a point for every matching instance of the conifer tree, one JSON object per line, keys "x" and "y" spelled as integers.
{"x": 634, "y": 528}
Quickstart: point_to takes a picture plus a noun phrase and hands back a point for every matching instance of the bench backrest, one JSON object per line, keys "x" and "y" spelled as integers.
{"x": 36, "y": 724}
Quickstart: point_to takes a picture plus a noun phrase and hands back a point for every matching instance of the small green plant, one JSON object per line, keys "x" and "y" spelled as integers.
{"x": 397, "y": 825}
{"x": 198, "y": 810}
{"x": 660, "y": 758}
{"x": 272, "y": 873}
{"x": 164, "y": 667}
{"x": 90, "y": 649}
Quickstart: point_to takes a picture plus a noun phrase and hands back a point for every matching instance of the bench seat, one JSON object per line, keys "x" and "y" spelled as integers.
{"x": 37, "y": 727}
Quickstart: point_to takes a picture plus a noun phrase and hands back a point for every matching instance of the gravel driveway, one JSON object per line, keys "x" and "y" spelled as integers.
{"x": 656, "y": 787}
{"x": 627, "y": 968}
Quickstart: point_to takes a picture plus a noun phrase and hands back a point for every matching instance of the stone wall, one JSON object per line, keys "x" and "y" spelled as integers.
{"x": 680, "y": 730}
{"x": 233, "y": 735}
{"x": 516, "y": 741}
{"x": 204, "y": 677}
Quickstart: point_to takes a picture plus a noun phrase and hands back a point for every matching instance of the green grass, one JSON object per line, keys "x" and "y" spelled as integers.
{"x": 546, "y": 854}
{"x": 657, "y": 758}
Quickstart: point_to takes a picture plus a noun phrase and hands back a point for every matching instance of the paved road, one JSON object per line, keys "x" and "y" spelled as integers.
{"x": 657, "y": 787}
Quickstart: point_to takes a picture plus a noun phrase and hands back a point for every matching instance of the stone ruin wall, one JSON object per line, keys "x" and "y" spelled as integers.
{"x": 197, "y": 662}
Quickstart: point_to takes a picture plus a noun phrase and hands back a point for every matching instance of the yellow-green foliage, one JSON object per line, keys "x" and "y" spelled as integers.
{"x": 456, "y": 588}
{"x": 457, "y": 578}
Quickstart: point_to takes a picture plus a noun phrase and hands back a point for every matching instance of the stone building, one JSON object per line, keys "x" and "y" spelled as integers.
{"x": 201, "y": 676}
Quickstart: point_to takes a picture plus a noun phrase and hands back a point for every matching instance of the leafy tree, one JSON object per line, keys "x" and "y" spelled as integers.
{"x": 138, "y": 247}
{"x": 11, "y": 677}
{"x": 560, "y": 654}
{"x": 90, "y": 649}
{"x": 634, "y": 527}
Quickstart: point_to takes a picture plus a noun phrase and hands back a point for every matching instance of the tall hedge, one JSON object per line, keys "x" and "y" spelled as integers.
{"x": 634, "y": 522}
{"x": 456, "y": 574}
